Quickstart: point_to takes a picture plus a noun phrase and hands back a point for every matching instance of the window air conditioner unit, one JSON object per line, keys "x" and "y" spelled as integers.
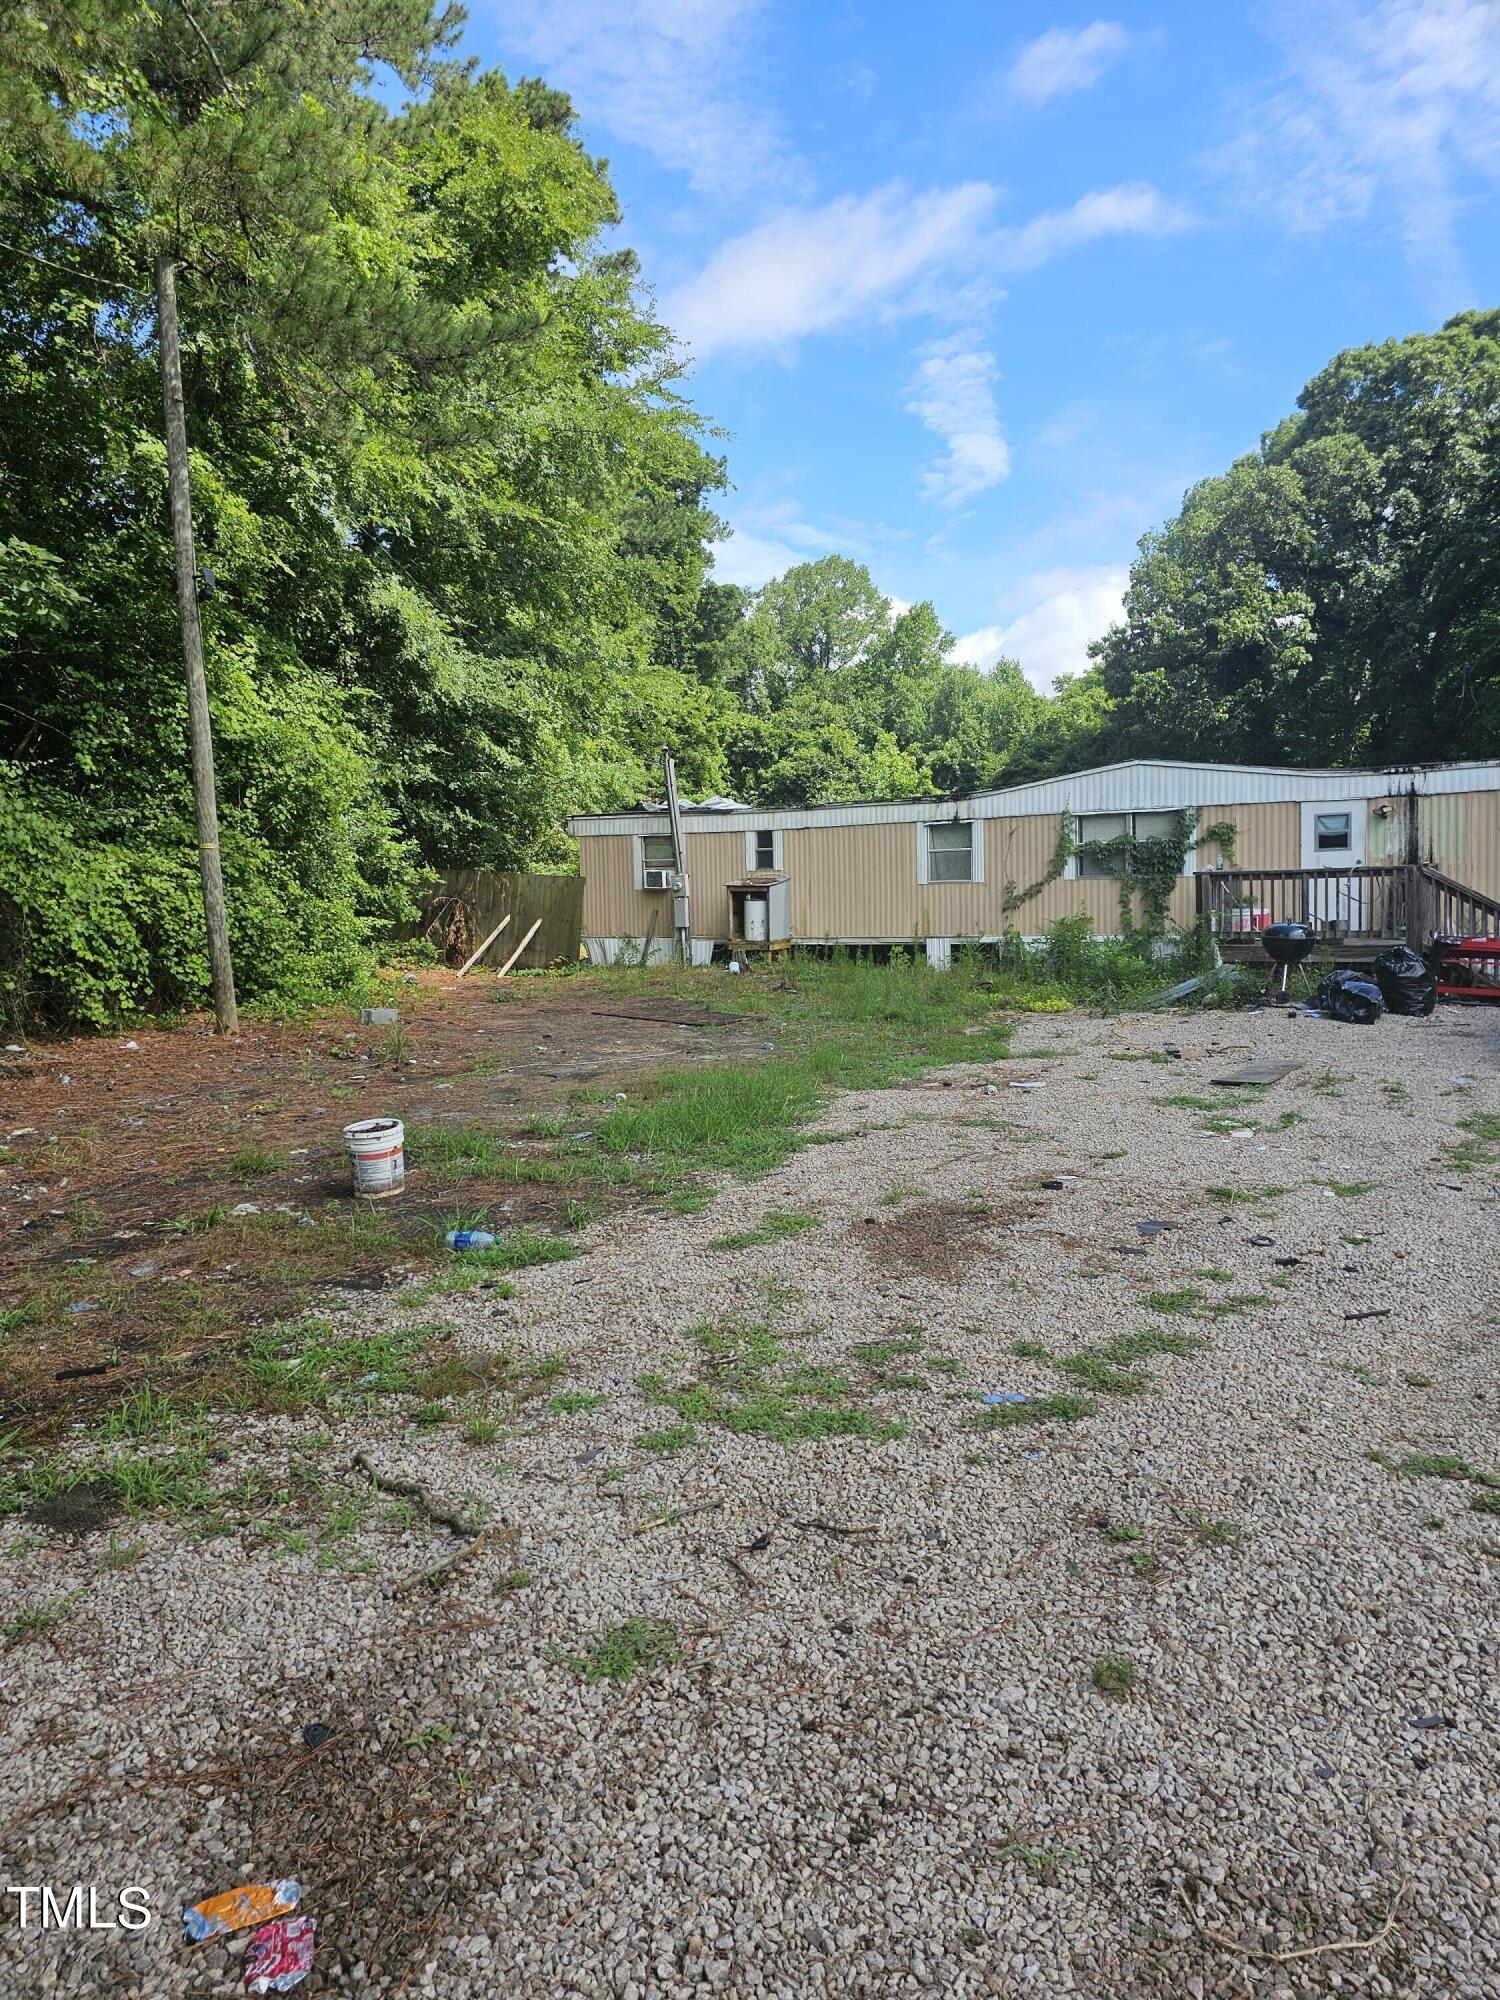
{"x": 660, "y": 878}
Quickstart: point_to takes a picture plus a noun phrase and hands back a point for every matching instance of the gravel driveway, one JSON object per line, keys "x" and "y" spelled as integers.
{"x": 872, "y": 1755}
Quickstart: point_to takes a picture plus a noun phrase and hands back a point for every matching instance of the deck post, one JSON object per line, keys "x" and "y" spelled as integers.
{"x": 1418, "y": 907}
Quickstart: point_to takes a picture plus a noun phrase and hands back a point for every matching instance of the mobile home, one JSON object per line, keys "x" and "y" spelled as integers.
{"x": 1364, "y": 855}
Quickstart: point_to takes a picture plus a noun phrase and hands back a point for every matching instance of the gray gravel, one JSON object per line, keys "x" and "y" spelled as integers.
{"x": 880, "y": 1764}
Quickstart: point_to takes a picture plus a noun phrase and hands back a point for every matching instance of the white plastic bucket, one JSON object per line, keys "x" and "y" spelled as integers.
{"x": 376, "y": 1150}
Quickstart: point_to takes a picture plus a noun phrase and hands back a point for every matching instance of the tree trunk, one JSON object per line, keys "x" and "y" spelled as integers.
{"x": 200, "y": 731}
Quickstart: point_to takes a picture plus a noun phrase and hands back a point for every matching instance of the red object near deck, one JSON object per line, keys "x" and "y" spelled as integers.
{"x": 1469, "y": 969}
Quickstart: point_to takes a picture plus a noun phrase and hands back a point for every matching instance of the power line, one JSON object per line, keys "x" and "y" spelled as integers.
{"x": 71, "y": 271}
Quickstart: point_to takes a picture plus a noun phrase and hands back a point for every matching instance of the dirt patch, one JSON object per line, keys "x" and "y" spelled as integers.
{"x": 941, "y": 1239}
{"x": 164, "y": 1190}
{"x": 77, "y": 1510}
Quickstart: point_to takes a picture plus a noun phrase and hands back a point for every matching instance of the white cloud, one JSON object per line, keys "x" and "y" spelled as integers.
{"x": 1132, "y": 209}
{"x": 1059, "y": 612}
{"x": 770, "y": 536}
{"x": 1382, "y": 109}
{"x": 672, "y": 76}
{"x": 953, "y": 395}
{"x": 807, "y": 270}
{"x": 1064, "y": 60}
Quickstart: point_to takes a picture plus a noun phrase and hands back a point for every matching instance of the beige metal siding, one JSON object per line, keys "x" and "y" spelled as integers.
{"x": 852, "y": 881}
{"x": 1481, "y": 837}
{"x": 860, "y": 881}
{"x": 615, "y": 906}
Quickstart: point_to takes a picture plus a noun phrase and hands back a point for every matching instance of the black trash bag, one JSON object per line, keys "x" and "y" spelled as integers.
{"x": 1406, "y": 984}
{"x": 1349, "y": 996}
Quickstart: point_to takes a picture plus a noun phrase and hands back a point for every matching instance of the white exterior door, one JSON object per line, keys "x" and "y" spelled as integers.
{"x": 1333, "y": 836}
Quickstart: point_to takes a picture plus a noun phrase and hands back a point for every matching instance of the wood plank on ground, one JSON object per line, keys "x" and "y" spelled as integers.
{"x": 1261, "y": 1072}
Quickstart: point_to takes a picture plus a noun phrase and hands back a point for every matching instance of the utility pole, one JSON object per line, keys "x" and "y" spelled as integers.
{"x": 200, "y": 730}
{"x": 682, "y": 907}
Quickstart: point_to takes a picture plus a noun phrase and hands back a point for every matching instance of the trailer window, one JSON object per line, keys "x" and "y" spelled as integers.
{"x": 1332, "y": 832}
{"x": 950, "y": 852}
{"x": 656, "y": 850}
{"x": 765, "y": 848}
{"x": 1098, "y": 827}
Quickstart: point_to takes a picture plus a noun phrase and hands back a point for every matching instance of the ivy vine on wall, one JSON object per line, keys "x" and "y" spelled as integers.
{"x": 1151, "y": 868}
{"x": 1012, "y": 897}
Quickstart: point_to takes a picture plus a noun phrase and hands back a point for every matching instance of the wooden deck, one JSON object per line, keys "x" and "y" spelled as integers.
{"x": 1356, "y": 912}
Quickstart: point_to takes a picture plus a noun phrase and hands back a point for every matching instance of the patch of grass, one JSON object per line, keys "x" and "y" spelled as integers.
{"x": 469, "y": 1270}
{"x": 1361, "y": 1373}
{"x": 1232, "y": 1197}
{"x": 1123, "y": 1531}
{"x": 672, "y": 1438}
{"x": 1184, "y": 1300}
{"x": 777, "y": 1226}
{"x": 144, "y": 1413}
{"x": 1045, "y": 1863}
{"x": 456, "y": 1152}
{"x": 1109, "y": 1366}
{"x": 900, "y": 1191}
{"x": 1183, "y": 1100}
{"x": 1115, "y": 1673}
{"x": 1478, "y": 1148}
{"x": 1031, "y": 1350}
{"x": 638, "y": 1646}
{"x": 747, "y": 1389}
{"x": 483, "y": 1427}
{"x": 309, "y": 1365}
{"x": 880, "y": 1353}
{"x": 34, "y": 1619}
{"x": 1351, "y": 1189}
{"x": 572, "y": 1402}
{"x": 1437, "y": 1465}
{"x": 429, "y": 1414}
{"x": 514, "y": 1579}
{"x": 1210, "y": 1533}
{"x": 252, "y": 1162}
{"x": 121, "y": 1555}
{"x": 1063, "y": 1409}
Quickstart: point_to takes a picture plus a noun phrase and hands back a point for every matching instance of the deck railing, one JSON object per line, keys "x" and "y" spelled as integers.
{"x": 1337, "y": 902}
{"x": 1455, "y": 911}
{"x": 1407, "y": 901}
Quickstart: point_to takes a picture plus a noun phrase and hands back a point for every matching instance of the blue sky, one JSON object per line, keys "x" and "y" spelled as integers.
{"x": 976, "y": 291}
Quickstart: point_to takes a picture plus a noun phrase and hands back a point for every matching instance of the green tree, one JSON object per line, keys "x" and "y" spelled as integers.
{"x": 1334, "y": 597}
{"x": 444, "y": 477}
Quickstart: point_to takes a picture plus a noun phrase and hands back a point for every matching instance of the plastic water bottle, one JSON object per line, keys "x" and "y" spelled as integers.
{"x": 470, "y": 1239}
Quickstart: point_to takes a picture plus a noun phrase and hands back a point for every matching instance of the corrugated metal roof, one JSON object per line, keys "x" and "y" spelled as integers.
{"x": 1145, "y": 784}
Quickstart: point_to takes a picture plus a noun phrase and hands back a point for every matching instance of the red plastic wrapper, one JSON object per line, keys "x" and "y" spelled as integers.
{"x": 280, "y": 1955}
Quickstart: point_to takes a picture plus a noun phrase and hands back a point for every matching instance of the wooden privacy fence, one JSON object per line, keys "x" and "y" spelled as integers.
{"x": 462, "y": 907}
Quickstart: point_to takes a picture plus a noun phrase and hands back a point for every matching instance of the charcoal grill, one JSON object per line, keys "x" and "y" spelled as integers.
{"x": 1287, "y": 945}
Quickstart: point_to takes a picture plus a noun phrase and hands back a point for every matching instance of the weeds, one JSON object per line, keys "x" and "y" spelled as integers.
{"x": 1115, "y": 1673}
{"x": 34, "y": 1619}
{"x": 1478, "y": 1148}
{"x": 1219, "y": 1534}
{"x": 638, "y": 1646}
{"x": 748, "y": 1389}
{"x": 778, "y": 1225}
{"x": 1062, "y": 1409}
